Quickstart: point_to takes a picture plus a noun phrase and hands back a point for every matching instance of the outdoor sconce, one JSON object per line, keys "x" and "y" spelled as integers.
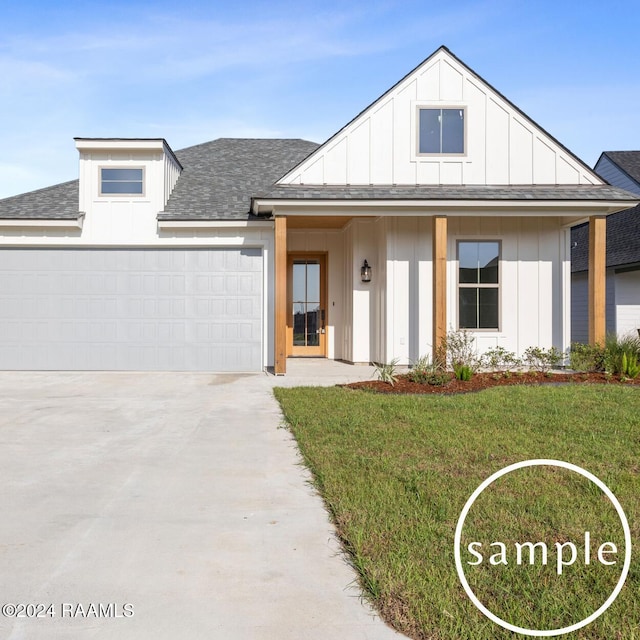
{"x": 365, "y": 272}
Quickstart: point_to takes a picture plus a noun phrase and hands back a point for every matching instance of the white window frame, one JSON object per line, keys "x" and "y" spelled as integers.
{"x": 416, "y": 120}
{"x": 120, "y": 195}
{"x": 479, "y": 285}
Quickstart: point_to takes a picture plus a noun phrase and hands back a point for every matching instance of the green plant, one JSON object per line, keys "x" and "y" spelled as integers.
{"x": 379, "y": 462}
{"x": 587, "y": 357}
{"x": 458, "y": 349}
{"x": 387, "y": 372}
{"x": 425, "y": 371}
{"x": 499, "y": 359}
{"x": 616, "y": 347}
{"x": 629, "y": 365}
{"x": 463, "y": 372}
{"x": 541, "y": 359}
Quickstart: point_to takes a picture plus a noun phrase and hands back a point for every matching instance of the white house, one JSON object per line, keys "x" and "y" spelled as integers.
{"x": 440, "y": 206}
{"x": 621, "y": 169}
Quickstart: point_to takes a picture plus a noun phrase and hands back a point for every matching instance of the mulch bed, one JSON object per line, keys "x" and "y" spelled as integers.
{"x": 482, "y": 381}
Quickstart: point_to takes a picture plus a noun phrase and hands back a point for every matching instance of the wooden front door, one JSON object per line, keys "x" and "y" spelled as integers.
{"x": 307, "y": 296}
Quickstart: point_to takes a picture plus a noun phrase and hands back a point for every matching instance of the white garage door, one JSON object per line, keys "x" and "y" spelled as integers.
{"x": 131, "y": 309}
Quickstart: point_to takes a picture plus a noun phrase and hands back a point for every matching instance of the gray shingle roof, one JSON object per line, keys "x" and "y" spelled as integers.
{"x": 623, "y": 241}
{"x": 59, "y": 202}
{"x": 217, "y": 182}
{"x": 623, "y": 228}
{"x": 628, "y": 161}
{"x": 221, "y": 176}
{"x": 464, "y": 192}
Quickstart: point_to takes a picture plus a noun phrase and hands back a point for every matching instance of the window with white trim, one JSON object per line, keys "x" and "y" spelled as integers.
{"x": 479, "y": 284}
{"x": 441, "y": 131}
{"x": 120, "y": 181}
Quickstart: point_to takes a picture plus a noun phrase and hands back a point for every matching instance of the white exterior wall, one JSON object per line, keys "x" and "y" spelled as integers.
{"x": 534, "y": 281}
{"x": 123, "y": 219}
{"x": 171, "y": 175}
{"x": 409, "y": 310}
{"x": 365, "y": 295}
{"x": 363, "y": 304}
{"x": 627, "y": 303}
{"x": 533, "y": 276}
{"x": 393, "y": 318}
{"x": 502, "y": 145}
{"x": 332, "y": 244}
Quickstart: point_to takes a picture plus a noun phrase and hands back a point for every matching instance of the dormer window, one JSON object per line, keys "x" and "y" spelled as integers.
{"x": 441, "y": 131}
{"x": 120, "y": 182}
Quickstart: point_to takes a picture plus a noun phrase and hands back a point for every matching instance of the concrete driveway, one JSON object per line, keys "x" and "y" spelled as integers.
{"x": 163, "y": 506}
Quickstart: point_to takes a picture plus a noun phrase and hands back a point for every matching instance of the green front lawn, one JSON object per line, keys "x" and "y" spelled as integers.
{"x": 396, "y": 471}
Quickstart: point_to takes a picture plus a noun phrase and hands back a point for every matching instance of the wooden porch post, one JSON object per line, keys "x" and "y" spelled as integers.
{"x": 597, "y": 278}
{"x": 439, "y": 257}
{"x": 280, "y": 257}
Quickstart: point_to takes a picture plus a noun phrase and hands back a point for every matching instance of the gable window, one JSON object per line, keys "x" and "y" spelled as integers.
{"x": 121, "y": 181}
{"x": 479, "y": 285}
{"x": 440, "y": 131}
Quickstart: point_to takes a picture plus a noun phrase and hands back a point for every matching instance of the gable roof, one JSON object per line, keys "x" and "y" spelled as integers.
{"x": 521, "y": 135}
{"x": 220, "y": 177}
{"x": 627, "y": 161}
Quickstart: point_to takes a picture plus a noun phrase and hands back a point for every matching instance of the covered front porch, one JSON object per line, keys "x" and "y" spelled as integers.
{"x": 409, "y": 303}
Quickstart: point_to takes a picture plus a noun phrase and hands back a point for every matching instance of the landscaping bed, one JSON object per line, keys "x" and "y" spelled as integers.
{"x": 480, "y": 381}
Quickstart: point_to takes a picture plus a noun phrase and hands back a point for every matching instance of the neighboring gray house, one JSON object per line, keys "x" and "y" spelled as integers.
{"x": 620, "y": 169}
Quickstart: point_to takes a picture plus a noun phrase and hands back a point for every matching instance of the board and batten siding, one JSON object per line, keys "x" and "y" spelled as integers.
{"x": 503, "y": 146}
{"x": 533, "y": 278}
{"x": 123, "y": 219}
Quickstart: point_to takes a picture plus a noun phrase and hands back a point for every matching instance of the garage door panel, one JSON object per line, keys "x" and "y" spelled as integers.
{"x": 141, "y": 309}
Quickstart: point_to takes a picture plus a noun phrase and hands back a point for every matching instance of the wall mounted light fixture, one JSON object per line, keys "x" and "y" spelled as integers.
{"x": 365, "y": 272}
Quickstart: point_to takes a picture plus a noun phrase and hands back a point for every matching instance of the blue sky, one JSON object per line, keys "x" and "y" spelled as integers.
{"x": 201, "y": 70}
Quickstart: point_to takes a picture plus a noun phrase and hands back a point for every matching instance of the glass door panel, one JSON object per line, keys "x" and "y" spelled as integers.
{"x": 307, "y": 305}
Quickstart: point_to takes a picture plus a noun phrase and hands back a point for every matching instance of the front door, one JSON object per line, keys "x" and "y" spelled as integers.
{"x": 307, "y": 321}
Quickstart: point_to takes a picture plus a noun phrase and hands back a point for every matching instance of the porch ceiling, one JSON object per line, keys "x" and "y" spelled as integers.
{"x": 320, "y": 222}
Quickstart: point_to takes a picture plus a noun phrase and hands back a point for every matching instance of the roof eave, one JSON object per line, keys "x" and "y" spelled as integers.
{"x": 43, "y": 223}
{"x": 262, "y": 206}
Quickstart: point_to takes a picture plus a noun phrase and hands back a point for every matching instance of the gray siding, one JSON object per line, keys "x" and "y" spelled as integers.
{"x": 580, "y": 306}
{"x": 615, "y": 176}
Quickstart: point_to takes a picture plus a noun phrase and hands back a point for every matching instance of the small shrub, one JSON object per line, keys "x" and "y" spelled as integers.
{"x": 424, "y": 371}
{"x": 499, "y": 359}
{"x": 387, "y": 372}
{"x": 587, "y": 357}
{"x": 438, "y": 379}
{"x": 542, "y": 360}
{"x": 458, "y": 349}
